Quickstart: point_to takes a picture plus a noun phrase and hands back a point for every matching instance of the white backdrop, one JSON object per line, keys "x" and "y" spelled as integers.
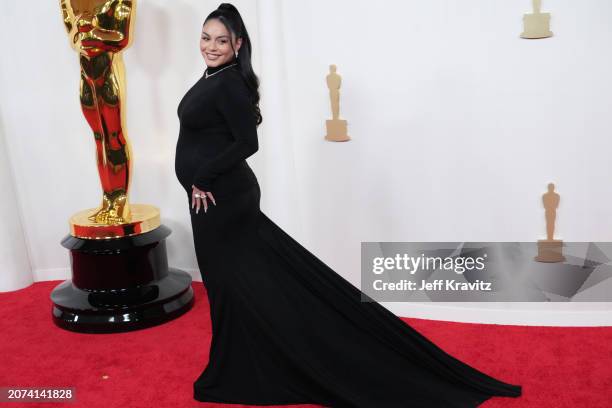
{"x": 457, "y": 127}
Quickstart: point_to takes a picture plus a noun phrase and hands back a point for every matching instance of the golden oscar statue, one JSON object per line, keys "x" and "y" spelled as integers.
{"x": 99, "y": 31}
{"x": 550, "y": 249}
{"x": 120, "y": 275}
{"x": 336, "y": 127}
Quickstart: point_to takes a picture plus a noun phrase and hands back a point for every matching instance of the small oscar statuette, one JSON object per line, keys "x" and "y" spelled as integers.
{"x": 336, "y": 127}
{"x": 536, "y": 24}
{"x": 120, "y": 275}
{"x": 550, "y": 249}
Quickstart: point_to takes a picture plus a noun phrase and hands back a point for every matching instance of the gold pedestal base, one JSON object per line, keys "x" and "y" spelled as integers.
{"x": 144, "y": 218}
{"x": 336, "y": 130}
{"x": 550, "y": 251}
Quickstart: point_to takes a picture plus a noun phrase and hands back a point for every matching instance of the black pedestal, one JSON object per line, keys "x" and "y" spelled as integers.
{"x": 120, "y": 284}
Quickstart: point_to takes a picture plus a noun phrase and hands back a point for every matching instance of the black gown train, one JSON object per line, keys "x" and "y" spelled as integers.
{"x": 286, "y": 328}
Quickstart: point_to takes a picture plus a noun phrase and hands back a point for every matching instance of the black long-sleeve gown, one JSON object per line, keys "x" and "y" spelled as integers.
{"x": 286, "y": 327}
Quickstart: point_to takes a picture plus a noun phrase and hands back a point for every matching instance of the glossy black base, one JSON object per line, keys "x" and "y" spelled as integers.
{"x": 120, "y": 285}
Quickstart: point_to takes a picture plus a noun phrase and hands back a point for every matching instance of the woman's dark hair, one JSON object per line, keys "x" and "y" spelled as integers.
{"x": 230, "y": 17}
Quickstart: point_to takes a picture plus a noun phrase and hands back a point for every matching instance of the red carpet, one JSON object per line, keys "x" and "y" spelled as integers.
{"x": 558, "y": 367}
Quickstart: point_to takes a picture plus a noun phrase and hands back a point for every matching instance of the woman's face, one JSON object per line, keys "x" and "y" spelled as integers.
{"x": 215, "y": 43}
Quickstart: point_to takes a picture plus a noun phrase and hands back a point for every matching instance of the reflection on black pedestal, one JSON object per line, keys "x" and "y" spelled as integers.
{"x": 120, "y": 284}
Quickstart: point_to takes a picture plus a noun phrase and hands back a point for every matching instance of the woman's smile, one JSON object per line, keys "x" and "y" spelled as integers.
{"x": 217, "y": 44}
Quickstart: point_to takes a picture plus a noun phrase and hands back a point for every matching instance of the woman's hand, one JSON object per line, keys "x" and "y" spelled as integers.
{"x": 198, "y": 195}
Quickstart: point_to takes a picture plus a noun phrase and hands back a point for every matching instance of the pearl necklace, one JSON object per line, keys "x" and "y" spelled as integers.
{"x": 206, "y": 74}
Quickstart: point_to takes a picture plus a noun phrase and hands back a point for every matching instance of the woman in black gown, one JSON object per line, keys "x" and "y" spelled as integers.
{"x": 286, "y": 328}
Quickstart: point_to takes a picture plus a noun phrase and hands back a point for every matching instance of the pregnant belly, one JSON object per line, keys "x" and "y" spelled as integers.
{"x": 238, "y": 179}
{"x": 184, "y": 166}
{"x": 190, "y": 155}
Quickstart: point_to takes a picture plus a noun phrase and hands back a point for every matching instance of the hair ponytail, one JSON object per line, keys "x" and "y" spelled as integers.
{"x": 230, "y": 17}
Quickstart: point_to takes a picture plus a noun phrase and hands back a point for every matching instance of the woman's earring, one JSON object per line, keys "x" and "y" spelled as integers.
{"x": 236, "y": 54}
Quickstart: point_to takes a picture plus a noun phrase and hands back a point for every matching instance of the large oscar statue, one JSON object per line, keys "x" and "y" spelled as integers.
{"x": 120, "y": 275}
